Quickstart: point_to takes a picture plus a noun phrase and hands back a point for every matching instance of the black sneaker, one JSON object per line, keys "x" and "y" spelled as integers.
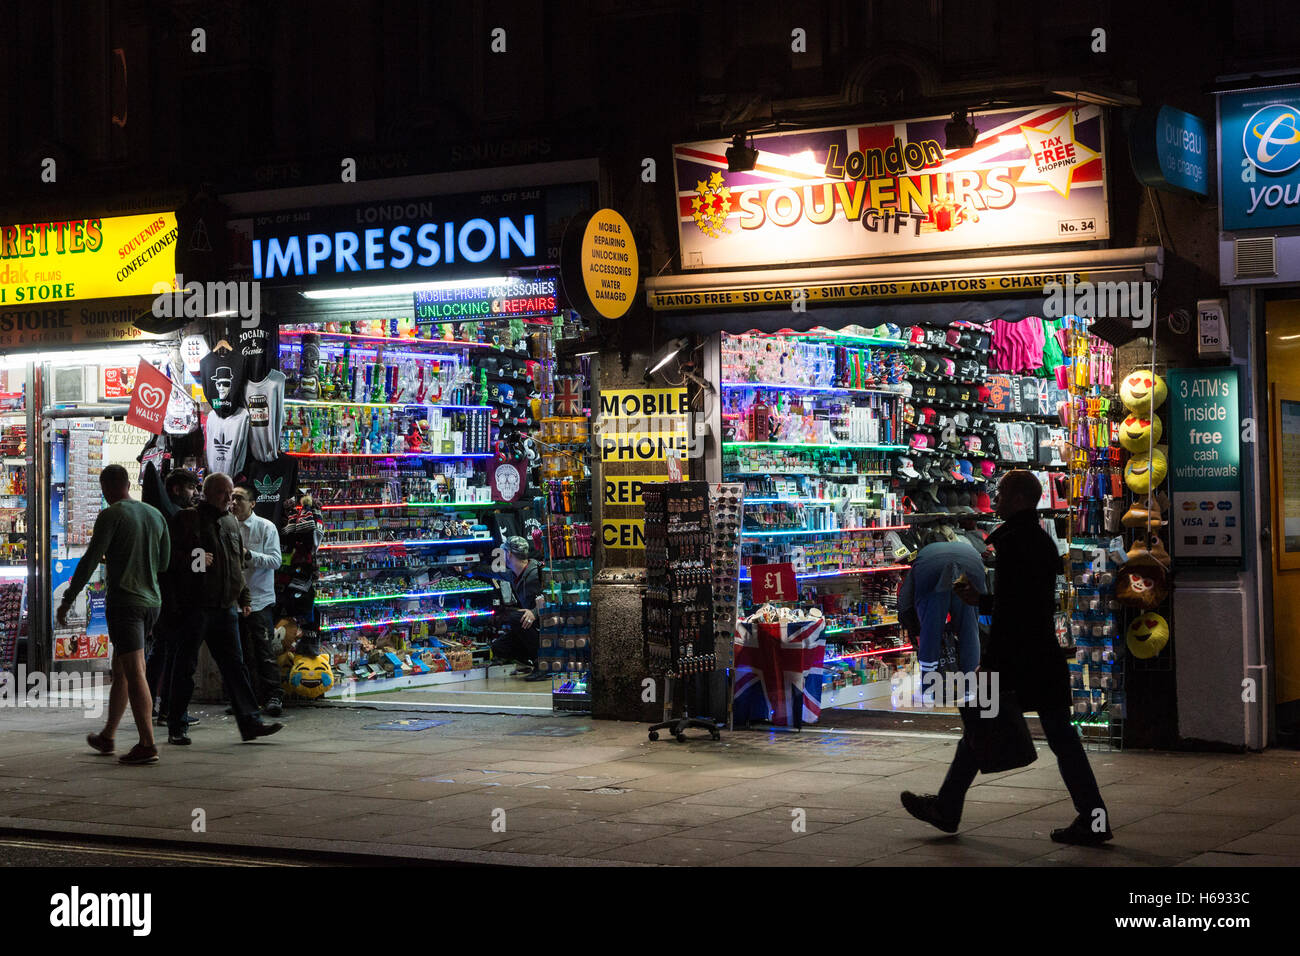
{"x": 1081, "y": 833}
{"x": 925, "y": 807}
{"x": 273, "y": 707}
{"x": 260, "y": 729}
{"x": 182, "y": 739}
{"x": 537, "y": 676}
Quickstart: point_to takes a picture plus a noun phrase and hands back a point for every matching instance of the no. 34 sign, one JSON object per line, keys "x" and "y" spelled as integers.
{"x": 773, "y": 582}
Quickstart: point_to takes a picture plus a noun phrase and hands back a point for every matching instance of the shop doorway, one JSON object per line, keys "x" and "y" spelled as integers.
{"x": 1282, "y": 334}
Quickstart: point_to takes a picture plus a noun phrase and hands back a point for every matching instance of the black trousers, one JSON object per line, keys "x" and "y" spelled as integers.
{"x": 256, "y": 632}
{"x": 217, "y": 627}
{"x": 1070, "y": 756}
{"x": 161, "y": 658}
{"x": 517, "y": 643}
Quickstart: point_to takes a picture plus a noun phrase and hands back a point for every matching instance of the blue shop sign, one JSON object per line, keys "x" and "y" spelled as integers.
{"x": 1168, "y": 149}
{"x": 1259, "y": 161}
{"x": 457, "y": 236}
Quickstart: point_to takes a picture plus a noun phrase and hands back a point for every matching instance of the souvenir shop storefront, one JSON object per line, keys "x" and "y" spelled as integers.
{"x": 69, "y": 352}
{"x": 415, "y": 396}
{"x": 854, "y": 410}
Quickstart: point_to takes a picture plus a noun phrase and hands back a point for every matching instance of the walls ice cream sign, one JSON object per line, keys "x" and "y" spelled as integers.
{"x": 1032, "y": 176}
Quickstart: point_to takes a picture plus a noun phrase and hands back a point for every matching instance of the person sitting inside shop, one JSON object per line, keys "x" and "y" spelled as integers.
{"x": 519, "y": 640}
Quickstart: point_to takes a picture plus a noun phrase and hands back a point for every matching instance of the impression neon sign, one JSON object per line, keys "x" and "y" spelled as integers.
{"x": 369, "y": 250}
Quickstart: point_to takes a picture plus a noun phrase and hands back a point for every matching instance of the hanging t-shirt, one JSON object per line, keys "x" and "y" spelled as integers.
{"x": 222, "y": 374}
{"x": 265, "y": 401}
{"x": 1053, "y": 357}
{"x": 227, "y": 444}
{"x": 1019, "y": 344}
{"x": 275, "y": 481}
{"x": 254, "y": 345}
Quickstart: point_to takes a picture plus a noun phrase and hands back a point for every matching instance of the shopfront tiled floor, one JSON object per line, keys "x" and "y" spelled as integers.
{"x": 575, "y": 791}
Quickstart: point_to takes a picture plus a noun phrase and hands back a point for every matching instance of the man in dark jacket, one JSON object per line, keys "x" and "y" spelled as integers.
{"x": 208, "y": 575}
{"x": 1023, "y": 651}
{"x": 182, "y": 487}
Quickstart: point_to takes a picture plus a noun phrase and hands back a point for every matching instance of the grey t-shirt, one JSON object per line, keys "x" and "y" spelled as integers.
{"x": 227, "y": 442}
{"x": 265, "y": 403}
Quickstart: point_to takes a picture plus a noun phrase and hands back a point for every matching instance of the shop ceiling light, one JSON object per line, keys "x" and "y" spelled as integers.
{"x": 741, "y": 158}
{"x": 407, "y": 288}
{"x": 960, "y": 132}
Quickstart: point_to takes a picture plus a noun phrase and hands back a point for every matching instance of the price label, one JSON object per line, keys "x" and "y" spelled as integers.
{"x": 773, "y": 582}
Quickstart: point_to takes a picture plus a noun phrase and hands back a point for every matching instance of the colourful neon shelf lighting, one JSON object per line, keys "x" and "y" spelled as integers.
{"x": 838, "y": 572}
{"x": 768, "y": 534}
{"x": 319, "y": 404}
{"x": 811, "y": 447}
{"x": 404, "y": 339}
{"x": 409, "y": 504}
{"x": 782, "y": 387}
{"x": 407, "y": 620}
{"x": 806, "y": 501}
{"x": 399, "y": 596}
{"x": 860, "y": 627}
{"x": 357, "y": 454}
{"x": 410, "y": 543}
{"x": 875, "y": 653}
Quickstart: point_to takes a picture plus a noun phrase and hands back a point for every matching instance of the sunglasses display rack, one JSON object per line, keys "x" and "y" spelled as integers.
{"x": 677, "y": 609}
{"x": 566, "y": 538}
{"x": 726, "y": 505}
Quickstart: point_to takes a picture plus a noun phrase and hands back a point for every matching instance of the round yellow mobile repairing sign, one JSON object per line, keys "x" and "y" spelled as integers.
{"x": 610, "y": 268}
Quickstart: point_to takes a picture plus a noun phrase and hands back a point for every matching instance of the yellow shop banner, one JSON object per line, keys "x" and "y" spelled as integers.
{"x": 47, "y": 262}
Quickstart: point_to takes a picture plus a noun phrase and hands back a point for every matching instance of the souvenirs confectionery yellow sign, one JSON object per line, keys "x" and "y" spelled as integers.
{"x": 51, "y": 262}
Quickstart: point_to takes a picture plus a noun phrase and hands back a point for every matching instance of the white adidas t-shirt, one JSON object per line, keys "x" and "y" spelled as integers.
{"x": 227, "y": 442}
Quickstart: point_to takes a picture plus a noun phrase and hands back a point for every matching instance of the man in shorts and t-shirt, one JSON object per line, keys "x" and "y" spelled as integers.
{"x": 131, "y": 538}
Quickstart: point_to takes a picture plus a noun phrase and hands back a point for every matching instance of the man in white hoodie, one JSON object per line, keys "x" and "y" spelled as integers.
{"x": 256, "y": 623}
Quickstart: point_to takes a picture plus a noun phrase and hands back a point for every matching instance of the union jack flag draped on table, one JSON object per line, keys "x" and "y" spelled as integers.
{"x": 568, "y": 397}
{"x": 778, "y": 668}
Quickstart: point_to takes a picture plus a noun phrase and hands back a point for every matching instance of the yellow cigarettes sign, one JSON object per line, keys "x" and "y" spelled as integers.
{"x": 45, "y": 262}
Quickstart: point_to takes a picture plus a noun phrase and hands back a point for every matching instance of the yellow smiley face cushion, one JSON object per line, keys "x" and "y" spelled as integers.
{"x": 1147, "y": 635}
{"x": 1144, "y": 472}
{"x": 1140, "y": 432}
{"x": 1142, "y": 390}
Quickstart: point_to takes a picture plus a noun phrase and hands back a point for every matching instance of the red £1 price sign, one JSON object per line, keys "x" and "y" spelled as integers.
{"x": 773, "y": 582}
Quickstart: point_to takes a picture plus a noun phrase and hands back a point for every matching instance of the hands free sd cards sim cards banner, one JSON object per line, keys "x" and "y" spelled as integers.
{"x": 1205, "y": 466}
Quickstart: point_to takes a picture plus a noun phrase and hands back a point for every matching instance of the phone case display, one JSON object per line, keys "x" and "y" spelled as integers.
{"x": 566, "y": 537}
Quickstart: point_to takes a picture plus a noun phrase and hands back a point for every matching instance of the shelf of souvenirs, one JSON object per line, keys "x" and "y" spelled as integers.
{"x": 369, "y": 505}
{"x": 387, "y": 454}
{"x": 831, "y": 337}
{"x": 412, "y": 338}
{"x": 806, "y": 446}
{"x": 894, "y": 392}
{"x": 402, "y": 543}
{"x": 321, "y": 403}
{"x": 402, "y": 595}
{"x": 752, "y": 533}
{"x": 841, "y": 572}
{"x": 849, "y": 625}
{"x": 462, "y": 614}
{"x": 870, "y": 653}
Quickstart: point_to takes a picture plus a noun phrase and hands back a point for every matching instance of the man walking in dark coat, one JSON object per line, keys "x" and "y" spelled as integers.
{"x": 1022, "y": 649}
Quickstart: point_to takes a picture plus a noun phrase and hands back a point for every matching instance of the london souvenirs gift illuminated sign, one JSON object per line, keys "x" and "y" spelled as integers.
{"x": 458, "y": 236}
{"x": 1033, "y": 176}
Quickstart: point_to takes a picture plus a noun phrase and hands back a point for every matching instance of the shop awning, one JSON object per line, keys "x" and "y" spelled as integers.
{"x": 931, "y": 292}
